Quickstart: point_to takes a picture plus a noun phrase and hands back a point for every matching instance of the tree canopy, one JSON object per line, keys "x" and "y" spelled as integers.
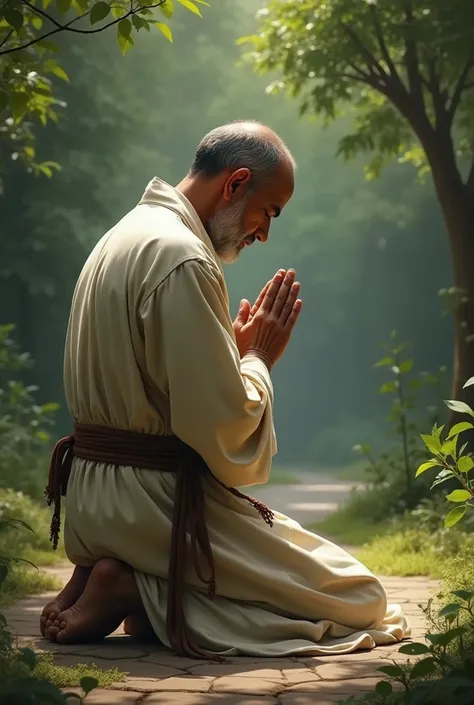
{"x": 404, "y": 69}
{"x": 30, "y": 59}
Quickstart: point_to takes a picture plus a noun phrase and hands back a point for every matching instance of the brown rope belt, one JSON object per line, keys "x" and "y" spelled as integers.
{"x": 165, "y": 454}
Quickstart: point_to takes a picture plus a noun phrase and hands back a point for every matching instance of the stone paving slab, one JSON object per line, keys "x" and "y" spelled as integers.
{"x": 157, "y": 677}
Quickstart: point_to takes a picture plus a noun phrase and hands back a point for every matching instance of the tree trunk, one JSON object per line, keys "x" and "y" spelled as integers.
{"x": 458, "y": 212}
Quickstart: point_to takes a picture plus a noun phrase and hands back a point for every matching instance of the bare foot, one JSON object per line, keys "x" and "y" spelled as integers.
{"x": 111, "y": 594}
{"x": 66, "y": 598}
{"x": 138, "y": 627}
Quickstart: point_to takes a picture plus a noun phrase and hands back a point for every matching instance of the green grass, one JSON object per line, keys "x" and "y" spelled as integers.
{"x": 404, "y": 553}
{"x": 11, "y": 668}
{"x": 23, "y": 581}
{"x": 70, "y": 676}
{"x": 349, "y": 527}
{"x": 19, "y": 542}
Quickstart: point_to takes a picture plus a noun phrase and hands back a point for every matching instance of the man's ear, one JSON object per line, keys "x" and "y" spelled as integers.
{"x": 235, "y": 182}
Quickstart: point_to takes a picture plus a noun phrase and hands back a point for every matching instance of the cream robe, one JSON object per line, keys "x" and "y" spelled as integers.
{"x": 150, "y": 347}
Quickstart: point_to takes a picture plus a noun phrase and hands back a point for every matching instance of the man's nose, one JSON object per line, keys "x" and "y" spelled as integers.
{"x": 262, "y": 234}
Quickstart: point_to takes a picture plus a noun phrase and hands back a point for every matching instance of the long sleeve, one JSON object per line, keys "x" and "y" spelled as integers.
{"x": 219, "y": 405}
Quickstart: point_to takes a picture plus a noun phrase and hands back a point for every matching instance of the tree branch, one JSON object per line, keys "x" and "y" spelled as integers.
{"x": 382, "y": 44}
{"x": 461, "y": 86}
{"x": 68, "y": 28}
{"x": 411, "y": 60}
{"x": 6, "y": 38}
{"x": 375, "y": 69}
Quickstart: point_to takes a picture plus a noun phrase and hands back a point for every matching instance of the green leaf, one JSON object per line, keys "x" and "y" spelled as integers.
{"x": 405, "y": 366}
{"x": 48, "y": 45}
{"x": 99, "y": 12}
{"x": 392, "y": 671}
{"x": 165, "y": 30}
{"x": 59, "y": 72}
{"x": 423, "y": 668}
{"x": 465, "y": 595}
{"x": 415, "y": 649}
{"x": 454, "y": 516}
{"x": 125, "y": 43}
{"x": 426, "y": 466}
{"x": 459, "y": 496}
{"x": 469, "y": 382}
{"x": 140, "y": 23}
{"x": 431, "y": 442}
{"x": 385, "y": 361}
{"x": 167, "y": 8}
{"x": 51, "y": 406}
{"x": 14, "y": 18}
{"x": 459, "y": 428}
{"x": 446, "y": 638}
{"x": 188, "y": 4}
{"x": 124, "y": 28}
{"x": 448, "y": 610}
{"x": 28, "y": 657}
{"x": 19, "y": 105}
{"x": 384, "y": 688}
{"x": 459, "y": 406}
{"x": 449, "y": 447}
{"x": 465, "y": 464}
{"x": 88, "y": 684}
{"x": 3, "y": 573}
{"x": 388, "y": 387}
{"x": 15, "y": 524}
{"x": 63, "y": 5}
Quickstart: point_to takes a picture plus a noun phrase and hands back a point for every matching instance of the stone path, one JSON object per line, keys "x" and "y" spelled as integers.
{"x": 157, "y": 677}
{"x": 317, "y": 495}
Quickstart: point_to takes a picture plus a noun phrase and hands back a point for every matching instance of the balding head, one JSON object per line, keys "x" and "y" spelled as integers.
{"x": 241, "y": 178}
{"x": 240, "y": 144}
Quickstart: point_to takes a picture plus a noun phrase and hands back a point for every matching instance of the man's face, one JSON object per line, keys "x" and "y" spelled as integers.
{"x": 244, "y": 215}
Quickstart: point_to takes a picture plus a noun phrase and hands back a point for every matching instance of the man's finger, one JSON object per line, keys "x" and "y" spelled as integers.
{"x": 294, "y": 315}
{"x": 272, "y": 291}
{"x": 289, "y": 303}
{"x": 243, "y": 313}
{"x": 283, "y": 293}
{"x": 259, "y": 299}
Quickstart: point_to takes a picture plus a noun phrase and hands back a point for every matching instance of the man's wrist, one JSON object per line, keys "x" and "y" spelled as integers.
{"x": 264, "y": 357}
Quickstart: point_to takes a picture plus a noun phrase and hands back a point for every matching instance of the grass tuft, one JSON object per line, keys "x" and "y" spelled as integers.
{"x": 70, "y": 676}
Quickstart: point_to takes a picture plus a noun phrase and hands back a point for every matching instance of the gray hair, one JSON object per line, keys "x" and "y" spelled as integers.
{"x": 231, "y": 147}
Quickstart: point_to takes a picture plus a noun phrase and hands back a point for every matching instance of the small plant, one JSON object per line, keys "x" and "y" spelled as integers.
{"x": 446, "y": 671}
{"x": 445, "y": 674}
{"x": 452, "y": 461}
{"x": 18, "y": 682}
{"x": 24, "y": 424}
{"x": 397, "y": 466}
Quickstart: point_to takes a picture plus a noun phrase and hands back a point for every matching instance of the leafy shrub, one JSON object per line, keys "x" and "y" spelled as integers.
{"x": 445, "y": 673}
{"x": 19, "y": 680}
{"x": 24, "y": 425}
{"x": 452, "y": 462}
{"x": 414, "y": 398}
{"x": 18, "y": 511}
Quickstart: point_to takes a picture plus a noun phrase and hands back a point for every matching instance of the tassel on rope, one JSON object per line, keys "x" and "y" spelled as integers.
{"x": 264, "y": 511}
{"x": 59, "y": 471}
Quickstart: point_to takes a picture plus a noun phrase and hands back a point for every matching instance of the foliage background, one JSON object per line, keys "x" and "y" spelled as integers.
{"x": 371, "y": 256}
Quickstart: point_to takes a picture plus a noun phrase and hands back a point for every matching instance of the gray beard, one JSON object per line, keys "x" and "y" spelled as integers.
{"x": 226, "y": 231}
